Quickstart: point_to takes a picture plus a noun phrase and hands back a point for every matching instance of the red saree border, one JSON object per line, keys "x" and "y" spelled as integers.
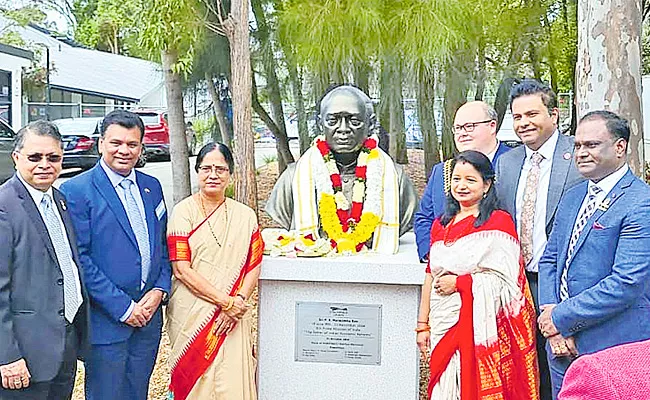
{"x": 460, "y": 337}
{"x": 205, "y": 346}
{"x": 179, "y": 246}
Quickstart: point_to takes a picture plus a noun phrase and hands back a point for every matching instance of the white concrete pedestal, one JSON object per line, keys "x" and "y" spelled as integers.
{"x": 391, "y": 281}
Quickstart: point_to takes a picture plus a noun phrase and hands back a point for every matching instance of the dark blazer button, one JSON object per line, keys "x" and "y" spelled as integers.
{"x": 59, "y": 281}
{"x": 61, "y": 313}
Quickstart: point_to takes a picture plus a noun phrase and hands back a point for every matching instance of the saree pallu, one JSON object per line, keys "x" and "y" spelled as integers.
{"x": 483, "y": 336}
{"x": 222, "y": 248}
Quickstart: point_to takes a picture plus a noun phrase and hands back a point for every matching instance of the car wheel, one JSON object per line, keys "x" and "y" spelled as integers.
{"x": 142, "y": 161}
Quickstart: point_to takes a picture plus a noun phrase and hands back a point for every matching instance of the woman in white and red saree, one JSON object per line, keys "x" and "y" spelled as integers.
{"x": 216, "y": 249}
{"x": 476, "y": 317}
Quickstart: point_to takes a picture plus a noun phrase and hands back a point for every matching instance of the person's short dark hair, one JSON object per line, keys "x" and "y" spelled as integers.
{"x": 39, "y": 128}
{"x": 223, "y": 149}
{"x": 529, "y": 87}
{"x": 616, "y": 125}
{"x": 489, "y": 203}
{"x": 123, "y": 118}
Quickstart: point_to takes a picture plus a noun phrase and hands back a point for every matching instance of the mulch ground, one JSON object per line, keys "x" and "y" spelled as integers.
{"x": 266, "y": 178}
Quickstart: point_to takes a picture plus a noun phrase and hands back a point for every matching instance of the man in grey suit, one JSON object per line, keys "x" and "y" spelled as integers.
{"x": 43, "y": 304}
{"x": 531, "y": 179}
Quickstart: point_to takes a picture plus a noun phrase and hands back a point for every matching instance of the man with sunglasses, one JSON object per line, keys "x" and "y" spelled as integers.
{"x": 475, "y": 128}
{"x": 43, "y": 302}
{"x": 121, "y": 222}
{"x": 531, "y": 179}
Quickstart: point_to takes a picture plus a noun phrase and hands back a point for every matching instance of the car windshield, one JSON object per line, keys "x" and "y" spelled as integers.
{"x": 84, "y": 126}
{"x": 150, "y": 118}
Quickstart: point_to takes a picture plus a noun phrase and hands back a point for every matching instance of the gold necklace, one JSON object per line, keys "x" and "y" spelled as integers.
{"x": 205, "y": 214}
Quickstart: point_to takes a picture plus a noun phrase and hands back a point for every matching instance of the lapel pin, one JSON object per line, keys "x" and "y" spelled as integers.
{"x": 567, "y": 156}
{"x": 63, "y": 205}
{"x": 146, "y": 190}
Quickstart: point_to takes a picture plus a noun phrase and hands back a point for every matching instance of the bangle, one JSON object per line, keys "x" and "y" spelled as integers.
{"x": 231, "y": 302}
{"x": 423, "y": 322}
{"x": 425, "y": 329}
{"x": 241, "y": 296}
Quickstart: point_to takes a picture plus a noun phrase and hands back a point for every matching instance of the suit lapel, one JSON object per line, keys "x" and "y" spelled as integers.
{"x": 107, "y": 191}
{"x": 62, "y": 206}
{"x": 562, "y": 159}
{"x": 35, "y": 215}
{"x": 616, "y": 193}
{"x": 511, "y": 179}
{"x": 149, "y": 211}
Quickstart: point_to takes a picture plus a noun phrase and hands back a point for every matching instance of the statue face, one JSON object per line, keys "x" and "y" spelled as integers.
{"x": 344, "y": 121}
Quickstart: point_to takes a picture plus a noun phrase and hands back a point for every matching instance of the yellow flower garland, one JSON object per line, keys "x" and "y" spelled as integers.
{"x": 345, "y": 241}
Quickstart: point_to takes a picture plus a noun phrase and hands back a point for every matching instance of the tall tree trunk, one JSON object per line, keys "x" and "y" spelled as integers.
{"x": 503, "y": 92}
{"x": 272, "y": 86}
{"x": 456, "y": 86}
{"x": 224, "y": 129}
{"x": 244, "y": 147}
{"x": 609, "y": 73}
{"x": 177, "y": 141}
{"x": 296, "y": 89}
{"x": 427, "y": 117}
{"x": 481, "y": 75}
{"x": 396, "y": 110}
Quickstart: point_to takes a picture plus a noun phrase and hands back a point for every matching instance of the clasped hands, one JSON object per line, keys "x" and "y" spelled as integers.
{"x": 145, "y": 309}
{"x": 15, "y": 375}
{"x": 560, "y": 346}
{"x": 230, "y": 315}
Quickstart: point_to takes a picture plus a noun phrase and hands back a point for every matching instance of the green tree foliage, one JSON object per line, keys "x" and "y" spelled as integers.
{"x": 18, "y": 17}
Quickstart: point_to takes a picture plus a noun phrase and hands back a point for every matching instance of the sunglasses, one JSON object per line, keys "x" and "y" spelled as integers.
{"x": 37, "y": 157}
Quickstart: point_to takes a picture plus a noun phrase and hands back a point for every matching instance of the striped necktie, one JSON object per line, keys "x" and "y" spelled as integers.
{"x": 139, "y": 229}
{"x": 584, "y": 216}
{"x": 70, "y": 289}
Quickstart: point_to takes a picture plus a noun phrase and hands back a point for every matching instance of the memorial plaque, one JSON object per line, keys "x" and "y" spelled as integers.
{"x": 338, "y": 333}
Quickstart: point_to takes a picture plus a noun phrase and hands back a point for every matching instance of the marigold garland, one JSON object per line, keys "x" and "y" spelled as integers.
{"x": 347, "y": 226}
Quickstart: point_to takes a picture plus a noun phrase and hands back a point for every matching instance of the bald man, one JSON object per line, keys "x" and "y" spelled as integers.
{"x": 475, "y": 128}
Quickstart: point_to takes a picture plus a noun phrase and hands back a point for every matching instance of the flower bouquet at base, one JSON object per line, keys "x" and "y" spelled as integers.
{"x": 280, "y": 242}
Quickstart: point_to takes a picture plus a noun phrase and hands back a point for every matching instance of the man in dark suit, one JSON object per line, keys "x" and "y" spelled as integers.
{"x": 43, "y": 303}
{"x": 531, "y": 180}
{"x": 475, "y": 128}
{"x": 594, "y": 274}
{"x": 120, "y": 219}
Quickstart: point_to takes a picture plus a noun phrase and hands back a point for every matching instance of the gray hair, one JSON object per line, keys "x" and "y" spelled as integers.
{"x": 39, "y": 128}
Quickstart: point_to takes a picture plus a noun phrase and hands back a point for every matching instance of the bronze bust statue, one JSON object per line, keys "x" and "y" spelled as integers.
{"x": 345, "y": 187}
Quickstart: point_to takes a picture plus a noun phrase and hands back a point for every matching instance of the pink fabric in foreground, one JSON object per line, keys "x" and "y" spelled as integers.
{"x": 617, "y": 373}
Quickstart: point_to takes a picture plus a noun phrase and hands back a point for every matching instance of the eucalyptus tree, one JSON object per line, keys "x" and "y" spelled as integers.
{"x": 609, "y": 74}
{"x": 169, "y": 31}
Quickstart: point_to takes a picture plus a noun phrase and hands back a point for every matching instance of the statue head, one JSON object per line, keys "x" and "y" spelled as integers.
{"x": 346, "y": 118}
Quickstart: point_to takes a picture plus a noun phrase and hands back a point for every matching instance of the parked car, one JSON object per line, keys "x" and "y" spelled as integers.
{"x": 80, "y": 138}
{"x": 156, "y": 133}
{"x": 7, "y": 136}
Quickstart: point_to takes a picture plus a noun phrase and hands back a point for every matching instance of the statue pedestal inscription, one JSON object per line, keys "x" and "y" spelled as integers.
{"x": 340, "y": 327}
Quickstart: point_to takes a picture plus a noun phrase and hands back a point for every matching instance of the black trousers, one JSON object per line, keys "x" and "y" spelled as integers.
{"x": 61, "y": 386}
{"x": 544, "y": 373}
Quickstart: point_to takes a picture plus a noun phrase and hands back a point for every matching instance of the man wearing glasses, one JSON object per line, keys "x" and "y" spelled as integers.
{"x": 531, "y": 179}
{"x": 43, "y": 302}
{"x": 120, "y": 218}
{"x": 475, "y": 128}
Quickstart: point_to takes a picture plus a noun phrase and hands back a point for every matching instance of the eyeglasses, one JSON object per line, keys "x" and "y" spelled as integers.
{"x": 469, "y": 127}
{"x": 217, "y": 169}
{"x": 37, "y": 157}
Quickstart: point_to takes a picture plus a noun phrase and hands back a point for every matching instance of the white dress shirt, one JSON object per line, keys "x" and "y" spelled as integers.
{"x": 493, "y": 153}
{"x": 116, "y": 179}
{"x": 37, "y": 196}
{"x": 539, "y": 223}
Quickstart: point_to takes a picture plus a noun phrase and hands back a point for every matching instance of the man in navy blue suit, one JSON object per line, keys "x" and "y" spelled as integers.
{"x": 120, "y": 218}
{"x": 475, "y": 128}
{"x": 594, "y": 273}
